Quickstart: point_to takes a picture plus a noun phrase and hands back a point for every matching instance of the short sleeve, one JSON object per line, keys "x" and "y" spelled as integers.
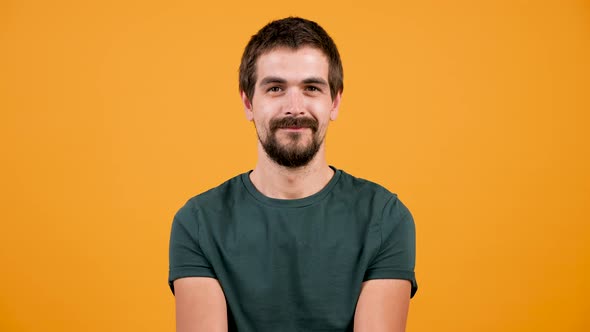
{"x": 396, "y": 257}
{"x": 186, "y": 259}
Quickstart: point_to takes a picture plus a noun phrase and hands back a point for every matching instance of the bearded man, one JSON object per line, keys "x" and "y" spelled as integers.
{"x": 294, "y": 244}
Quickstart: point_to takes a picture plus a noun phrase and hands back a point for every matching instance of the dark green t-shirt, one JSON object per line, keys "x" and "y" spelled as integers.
{"x": 293, "y": 265}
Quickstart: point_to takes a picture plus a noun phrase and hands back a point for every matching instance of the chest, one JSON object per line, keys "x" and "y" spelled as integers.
{"x": 317, "y": 244}
{"x": 292, "y": 265}
{"x": 314, "y": 233}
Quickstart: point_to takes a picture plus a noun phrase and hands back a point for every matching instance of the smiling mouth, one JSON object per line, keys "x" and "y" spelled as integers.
{"x": 294, "y": 128}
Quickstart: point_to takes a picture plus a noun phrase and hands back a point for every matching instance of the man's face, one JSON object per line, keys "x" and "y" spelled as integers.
{"x": 291, "y": 106}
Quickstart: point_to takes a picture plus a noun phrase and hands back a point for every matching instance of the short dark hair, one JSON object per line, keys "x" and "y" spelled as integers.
{"x": 294, "y": 33}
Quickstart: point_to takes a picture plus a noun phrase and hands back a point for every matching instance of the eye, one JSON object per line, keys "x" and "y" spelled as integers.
{"x": 274, "y": 89}
{"x": 312, "y": 88}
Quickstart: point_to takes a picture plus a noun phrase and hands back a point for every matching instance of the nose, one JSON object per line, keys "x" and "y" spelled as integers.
{"x": 294, "y": 103}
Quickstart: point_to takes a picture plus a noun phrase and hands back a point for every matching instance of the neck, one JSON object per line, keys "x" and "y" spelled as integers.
{"x": 280, "y": 182}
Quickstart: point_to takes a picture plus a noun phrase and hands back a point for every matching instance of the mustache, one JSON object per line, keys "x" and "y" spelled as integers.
{"x": 301, "y": 122}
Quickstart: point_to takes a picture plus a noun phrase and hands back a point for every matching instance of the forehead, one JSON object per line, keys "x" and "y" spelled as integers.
{"x": 292, "y": 64}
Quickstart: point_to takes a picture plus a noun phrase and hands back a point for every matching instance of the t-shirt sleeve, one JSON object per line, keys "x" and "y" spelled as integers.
{"x": 396, "y": 257}
{"x": 186, "y": 258}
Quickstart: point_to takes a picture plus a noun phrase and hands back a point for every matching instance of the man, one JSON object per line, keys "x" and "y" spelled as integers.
{"x": 295, "y": 244}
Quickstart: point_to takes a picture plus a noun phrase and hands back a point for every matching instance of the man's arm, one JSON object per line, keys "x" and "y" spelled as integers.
{"x": 382, "y": 306}
{"x": 200, "y": 305}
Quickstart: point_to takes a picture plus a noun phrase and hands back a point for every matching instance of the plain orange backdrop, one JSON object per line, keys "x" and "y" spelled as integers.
{"x": 114, "y": 113}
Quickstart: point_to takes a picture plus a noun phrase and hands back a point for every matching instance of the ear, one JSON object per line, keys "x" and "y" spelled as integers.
{"x": 335, "y": 105}
{"x": 247, "y": 106}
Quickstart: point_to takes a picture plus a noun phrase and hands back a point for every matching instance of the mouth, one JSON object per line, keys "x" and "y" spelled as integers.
{"x": 294, "y": 128}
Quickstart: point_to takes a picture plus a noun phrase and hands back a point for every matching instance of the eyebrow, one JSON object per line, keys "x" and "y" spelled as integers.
{"x": 275, "y": 79}
{"x": 272, "y": 79}
{"x": 315, "y": 80}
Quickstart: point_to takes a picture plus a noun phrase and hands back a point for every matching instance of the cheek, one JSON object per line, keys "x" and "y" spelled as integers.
{"x": 261, "y": 112}
{"x": 321, "y": 107}
{"x": 260, "y": 122}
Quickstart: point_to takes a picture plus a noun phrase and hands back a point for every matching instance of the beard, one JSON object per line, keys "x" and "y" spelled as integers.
{"x": 292, "y": 154}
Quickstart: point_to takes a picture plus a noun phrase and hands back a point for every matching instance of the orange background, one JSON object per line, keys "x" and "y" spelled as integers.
{"x": 114, "y": 113}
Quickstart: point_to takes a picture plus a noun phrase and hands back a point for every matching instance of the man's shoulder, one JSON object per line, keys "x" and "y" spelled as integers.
{"x": 364, "y": 187}
{"x": 218, "y": 196}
